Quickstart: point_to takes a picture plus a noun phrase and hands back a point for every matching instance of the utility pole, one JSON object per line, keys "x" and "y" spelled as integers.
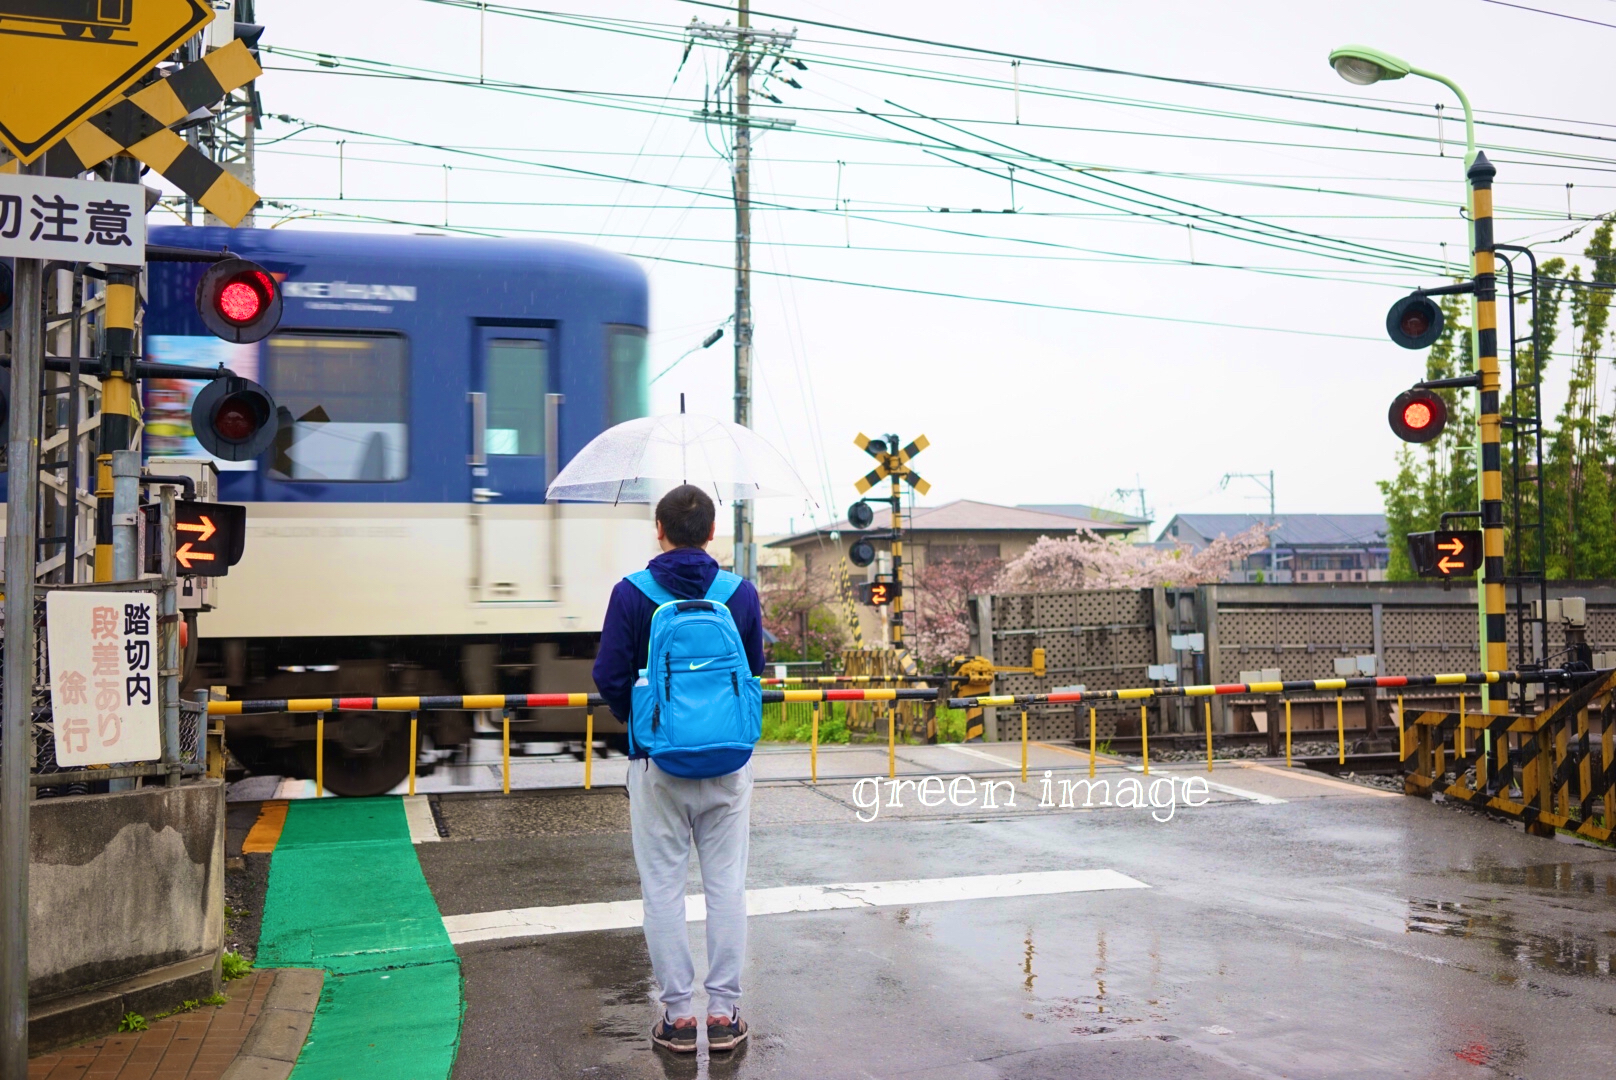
{"x": 1273, "y": 519}
{"x": 745, "y": 543}
{"x": 748, "y": 51}
{"x": 16, "y": 723}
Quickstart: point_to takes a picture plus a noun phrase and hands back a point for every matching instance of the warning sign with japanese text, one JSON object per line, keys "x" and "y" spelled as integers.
{"x": 103, "y": 676}
{"x": 62, "y": 61}
{"x": 42, "y": 217}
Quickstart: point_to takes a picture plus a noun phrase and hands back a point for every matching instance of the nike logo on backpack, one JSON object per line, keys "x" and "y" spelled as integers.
{"x": 697, "y": 667}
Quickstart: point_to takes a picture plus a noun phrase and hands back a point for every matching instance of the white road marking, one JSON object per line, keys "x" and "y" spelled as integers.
{"x": 1239, "y": 793}
{"x": 423, "y": 829}
{"x": 621, "y": 914}
{"x": 1003, "y": 763}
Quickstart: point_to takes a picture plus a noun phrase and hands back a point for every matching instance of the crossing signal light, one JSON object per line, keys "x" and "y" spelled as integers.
{"x": 877, "y": 593}
{"x": 234, "y": 418}
{"x": 1418, "y": 416}
{"x": 239, "y": 301}
{"x": 1445, "y": 553}
{"x": 860, "y": 516}
{"x": 1415, "y": 321}
{"x": 862, "y": 553}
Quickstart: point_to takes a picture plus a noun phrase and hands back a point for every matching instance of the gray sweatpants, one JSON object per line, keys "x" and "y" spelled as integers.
{"x": 666, "y": 813}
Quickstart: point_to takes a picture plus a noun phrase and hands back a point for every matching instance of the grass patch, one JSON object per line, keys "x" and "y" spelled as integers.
{"x": 793, "y": 723}
{"x": 132, "y": 1021}
{"x": 182, "y": 1007}
{"x": 235, "y": 966}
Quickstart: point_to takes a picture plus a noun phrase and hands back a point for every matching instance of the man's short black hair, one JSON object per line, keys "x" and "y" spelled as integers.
{"x": 686, "y": 514}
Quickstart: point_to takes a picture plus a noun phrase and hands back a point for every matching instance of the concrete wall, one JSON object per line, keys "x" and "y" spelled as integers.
{"x": 122, "y": 884}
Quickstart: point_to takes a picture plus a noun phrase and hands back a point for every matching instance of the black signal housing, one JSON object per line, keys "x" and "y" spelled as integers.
{"x": 861, "y": 553}
{"x": 234, "y": 419}
{"x": 239, "y": 301}
{"x": 1415, "y": 321}
{"x": 1418, "y": 415}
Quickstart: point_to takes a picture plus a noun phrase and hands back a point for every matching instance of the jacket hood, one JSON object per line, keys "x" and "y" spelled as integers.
{"x": 685, "y": 572}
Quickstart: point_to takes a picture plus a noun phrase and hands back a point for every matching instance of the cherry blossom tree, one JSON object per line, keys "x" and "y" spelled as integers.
{"x": 937, "y": 599}
{"x": 1086, "y": 561}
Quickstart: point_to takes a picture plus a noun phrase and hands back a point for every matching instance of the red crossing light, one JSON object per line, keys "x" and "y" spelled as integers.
{"x": 1418, "y": 416}
{"x": 234, "y": 418}
{"x": 239, "y": 301}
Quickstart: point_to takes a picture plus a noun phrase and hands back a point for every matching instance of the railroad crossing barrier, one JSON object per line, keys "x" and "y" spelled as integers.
{"x": 1546, "y": 759}
{"x": 1551, "y": 751}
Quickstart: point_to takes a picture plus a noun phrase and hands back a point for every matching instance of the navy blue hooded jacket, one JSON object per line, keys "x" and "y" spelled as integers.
{"x": 687, "y": 573}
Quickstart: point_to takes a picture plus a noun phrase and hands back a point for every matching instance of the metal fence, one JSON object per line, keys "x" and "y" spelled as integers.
{"x": 1105, "y": 639}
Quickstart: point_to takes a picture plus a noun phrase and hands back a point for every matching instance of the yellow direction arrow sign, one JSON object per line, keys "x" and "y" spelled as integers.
{"x": 62, "y": 60}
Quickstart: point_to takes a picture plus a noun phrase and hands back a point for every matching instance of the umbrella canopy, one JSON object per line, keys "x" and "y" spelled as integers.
{"x": 641, "y": 460}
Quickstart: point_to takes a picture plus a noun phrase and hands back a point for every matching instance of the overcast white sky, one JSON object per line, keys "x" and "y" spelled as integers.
{"x": 1021, "y": 403}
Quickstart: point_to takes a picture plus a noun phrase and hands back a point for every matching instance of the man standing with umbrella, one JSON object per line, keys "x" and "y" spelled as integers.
{"x": 679, "y": 654}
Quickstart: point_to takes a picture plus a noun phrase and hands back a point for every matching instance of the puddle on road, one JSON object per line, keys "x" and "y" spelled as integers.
{"x": 1566, "y": 954}
{"x": 1596, "y": 878}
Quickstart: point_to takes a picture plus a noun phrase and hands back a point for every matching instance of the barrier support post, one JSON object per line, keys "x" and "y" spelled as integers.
{"x": 813, "y": 746}
{"x": 1144, "y": 737}
{"x": 1091, "y": 742}
{"x": 319, "y": 755}
{"x": 505, "y": 754}
{"x": 1459, "y": 733}
{"x": 1288, "y": 732}
{"x": 892, "y": 744}
{"x": 1023, "y": 746}
{"x": 589, "y": 749}
{"x": 1209, "y": 736}
{"x": 1340, "y": 730}
{"x": 413, "y": 751}
{"x": 1402, "y": 750}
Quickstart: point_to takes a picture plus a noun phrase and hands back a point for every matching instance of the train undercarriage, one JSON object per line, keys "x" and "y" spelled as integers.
{"x": 368, "y": 753}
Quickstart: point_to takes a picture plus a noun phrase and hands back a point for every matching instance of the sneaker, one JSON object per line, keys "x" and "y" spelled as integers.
{"x": 726, "y": 1034}
{"x": 681, "y": 1040}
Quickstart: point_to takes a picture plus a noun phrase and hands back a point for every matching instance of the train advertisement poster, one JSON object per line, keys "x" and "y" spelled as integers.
{"x": 167, "y": 402}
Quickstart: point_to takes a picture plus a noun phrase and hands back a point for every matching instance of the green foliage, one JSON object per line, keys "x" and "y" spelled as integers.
{"x": 183, "y": 1007}
{"x": 215, "y": 999}
{"x": 132, "y": 1021}
{"x": 950, "y": 725}
{"x": 794, "y": 723}
{"x": 235, "y": 966}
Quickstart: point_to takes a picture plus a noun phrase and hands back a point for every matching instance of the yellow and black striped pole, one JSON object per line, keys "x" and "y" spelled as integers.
{"x": 118, "y": 354}
{"x": 1494, "y": 645}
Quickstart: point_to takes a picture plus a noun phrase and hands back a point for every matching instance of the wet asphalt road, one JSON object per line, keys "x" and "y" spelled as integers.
{"x": 1338, "y": 933}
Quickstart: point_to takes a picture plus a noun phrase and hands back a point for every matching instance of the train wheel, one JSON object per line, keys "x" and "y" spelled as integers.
{"x": 365, "y": 754}
{"x": 73, "y": 29}
{"x": 102, "y": 33}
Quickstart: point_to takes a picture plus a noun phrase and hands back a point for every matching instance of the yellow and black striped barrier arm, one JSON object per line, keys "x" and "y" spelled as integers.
{"x": 1297, "y": 686}
{"x": 407, "y": 704}
{"x": 139, "y": 125}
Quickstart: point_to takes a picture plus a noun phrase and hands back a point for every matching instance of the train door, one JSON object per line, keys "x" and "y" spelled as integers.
{"x": 514, "y": 421}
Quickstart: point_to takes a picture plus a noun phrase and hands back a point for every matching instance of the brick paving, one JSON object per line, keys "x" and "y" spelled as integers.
{"x": 197, "y": 1045}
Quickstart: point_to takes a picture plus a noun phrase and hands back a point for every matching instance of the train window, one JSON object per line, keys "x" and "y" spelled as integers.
{"x": 517, "y": 379}
{"x": 629, "y": 391}
{"x": 348, "y": 396}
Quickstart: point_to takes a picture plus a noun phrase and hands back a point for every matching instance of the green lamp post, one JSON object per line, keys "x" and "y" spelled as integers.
{"x": 1363, "y": 66}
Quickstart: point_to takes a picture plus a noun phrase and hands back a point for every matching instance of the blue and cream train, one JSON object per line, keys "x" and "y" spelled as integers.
{"x": 398, "y": 537}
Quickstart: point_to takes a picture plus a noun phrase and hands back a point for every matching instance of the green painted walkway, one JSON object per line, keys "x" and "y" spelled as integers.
{"x": 346, "y": 894}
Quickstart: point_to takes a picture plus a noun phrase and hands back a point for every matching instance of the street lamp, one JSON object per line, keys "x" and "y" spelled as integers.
{"x": 1363, "y": 66}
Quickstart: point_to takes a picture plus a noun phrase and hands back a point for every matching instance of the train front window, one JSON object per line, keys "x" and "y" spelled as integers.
{"x": 517, "y": 378}
{"x": 347, "y": 396}
{"x": 628, "y": 389}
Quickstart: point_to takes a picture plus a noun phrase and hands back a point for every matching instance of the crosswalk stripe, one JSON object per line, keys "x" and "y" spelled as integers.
{"x": 623, "y": 914}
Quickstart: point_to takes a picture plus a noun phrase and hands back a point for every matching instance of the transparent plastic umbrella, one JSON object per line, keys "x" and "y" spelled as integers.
{"x": 641, "y": 460}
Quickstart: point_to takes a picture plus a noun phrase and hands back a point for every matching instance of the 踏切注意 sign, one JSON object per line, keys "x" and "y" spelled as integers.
{"x": 103, "y": 676}
{"x": 43, "y": 217}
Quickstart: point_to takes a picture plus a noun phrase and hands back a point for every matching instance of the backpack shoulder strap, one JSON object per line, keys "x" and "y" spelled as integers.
{"x": 643, "y": 581}
{"x": 723, "y": 587}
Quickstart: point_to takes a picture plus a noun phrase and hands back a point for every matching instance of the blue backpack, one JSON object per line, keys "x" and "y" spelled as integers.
{"x": 698, "y": 712}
